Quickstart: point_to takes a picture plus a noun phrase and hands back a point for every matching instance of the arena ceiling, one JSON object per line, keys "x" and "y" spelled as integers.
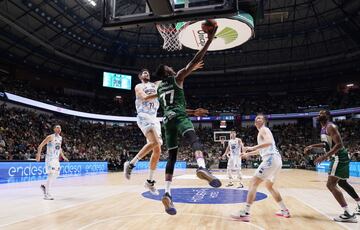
{"x": 302, "y": 37}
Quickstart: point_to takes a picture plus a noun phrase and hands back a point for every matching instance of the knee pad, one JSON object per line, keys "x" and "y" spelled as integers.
{"x": 193, "y": 140}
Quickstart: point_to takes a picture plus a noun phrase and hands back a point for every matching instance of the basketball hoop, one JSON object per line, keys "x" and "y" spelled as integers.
{"x": 170, "y": 34}
{"x": 222, "y": 141}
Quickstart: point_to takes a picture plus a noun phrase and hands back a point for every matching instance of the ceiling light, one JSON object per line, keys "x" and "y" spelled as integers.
{"x": 91, "y": 2}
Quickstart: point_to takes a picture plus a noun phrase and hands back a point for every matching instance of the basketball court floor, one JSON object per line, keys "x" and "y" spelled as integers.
{"x": 108, "y": 201}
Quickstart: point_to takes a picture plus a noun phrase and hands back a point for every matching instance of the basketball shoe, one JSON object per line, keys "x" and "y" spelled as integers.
{"x": 168, "y": 204}
{"x": 204, "y": 174}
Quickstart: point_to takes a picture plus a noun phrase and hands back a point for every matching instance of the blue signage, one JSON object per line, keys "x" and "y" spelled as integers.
{"x": 206, "y": 195}
{"x": 142, "y": 165}
{"x": 354, "y": 168}
{"x": 30, "y": 171}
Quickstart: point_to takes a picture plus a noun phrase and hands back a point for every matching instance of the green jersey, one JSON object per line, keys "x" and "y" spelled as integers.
{"x": 171, "y": 98}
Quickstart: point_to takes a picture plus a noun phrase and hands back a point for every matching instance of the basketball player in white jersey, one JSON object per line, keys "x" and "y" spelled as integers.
{"x": 52, "y": 161}
{"x": 233, "y": 151}
{"x": 147, "y": 106}
{"x": 267, "y": 171}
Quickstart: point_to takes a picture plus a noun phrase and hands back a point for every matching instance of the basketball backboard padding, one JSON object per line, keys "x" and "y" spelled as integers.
{"x": 231, "y": 32}
{"x": 160, "y": 7}
{"x": 119, "y": 16}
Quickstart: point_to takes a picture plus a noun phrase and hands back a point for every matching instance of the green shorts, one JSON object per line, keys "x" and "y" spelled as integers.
{"x": 173, "y": 127}
{"x": 339, "y": 166}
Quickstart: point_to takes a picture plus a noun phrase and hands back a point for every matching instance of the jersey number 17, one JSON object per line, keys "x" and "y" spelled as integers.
{"x": 168, "y": 97}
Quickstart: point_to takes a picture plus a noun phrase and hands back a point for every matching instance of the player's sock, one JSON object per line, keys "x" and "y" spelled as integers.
{"x": 282, "y": 205}
{"x": 167, "y": 187}
{"x": 151, "y": 174}
{"x": 346, "y": 209}
{"x": 201, "y": 162}
{"x": 134, "y": 161}
{"x": 357, "y": 201}
{"x": 49, "y": 182}
{"x": 247, "y": 208}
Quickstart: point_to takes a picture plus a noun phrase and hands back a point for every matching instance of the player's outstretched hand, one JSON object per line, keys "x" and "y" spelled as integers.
{"x": 198, "y": 65}
{"x": 307, "y": 150}
{"x": 319, "y": 159}
{"x": 200, "y": 112}
{"x": 248, "y": 149}
{"x": 245, "y": 156}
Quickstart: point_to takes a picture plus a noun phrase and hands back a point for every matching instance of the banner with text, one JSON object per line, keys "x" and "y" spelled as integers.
{"x": 354, "y": 168}
{"x": 30, "y": 171}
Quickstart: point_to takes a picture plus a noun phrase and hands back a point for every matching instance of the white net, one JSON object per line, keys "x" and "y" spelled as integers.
{"x": 170, "y": 34}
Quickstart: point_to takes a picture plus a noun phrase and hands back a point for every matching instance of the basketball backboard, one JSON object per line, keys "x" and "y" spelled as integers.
{"x": 118, "y": 14}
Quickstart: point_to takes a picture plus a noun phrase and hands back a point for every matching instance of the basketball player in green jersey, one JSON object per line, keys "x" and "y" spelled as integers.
{"x": 176, "y": 122}
{"x": 339, "y": 168}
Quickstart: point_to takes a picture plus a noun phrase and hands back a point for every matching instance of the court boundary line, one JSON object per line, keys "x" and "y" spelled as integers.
{"x": 322, "y": 213}
{"x": 164, "y": 214}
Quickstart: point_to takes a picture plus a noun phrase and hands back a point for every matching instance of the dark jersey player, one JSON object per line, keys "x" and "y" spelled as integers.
{"x": 176, "y": 122}
{"x": 339, "y": 167}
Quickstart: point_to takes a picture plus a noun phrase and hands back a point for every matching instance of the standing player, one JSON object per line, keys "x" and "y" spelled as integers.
{"x": 147, "y": 106}
{"x": 233, "y": 152}
{"x": 267, "y": 171}
{"x": 52, "y": 163}
{"x": 340, "y": 162}
{"x": 172, "y": 101}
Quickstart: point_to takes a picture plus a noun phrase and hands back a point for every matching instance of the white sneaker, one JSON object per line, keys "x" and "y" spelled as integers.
{"x": 357, "y": 210}
{"x": 346, "y": 217}
{"x": 127, "y": 169}
{"x": 283, "y": 213}
{"x": 241, "y": 215}
{"x": 230, "y": 184}
{"x": 240, "y": 185}
{"x": 150, "y": 185}
{"x": 48, "y": 197}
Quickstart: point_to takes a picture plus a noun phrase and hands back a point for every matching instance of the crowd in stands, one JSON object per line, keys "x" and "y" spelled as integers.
{"x": 244, "y": 105}
{"x": 21, "y": 131}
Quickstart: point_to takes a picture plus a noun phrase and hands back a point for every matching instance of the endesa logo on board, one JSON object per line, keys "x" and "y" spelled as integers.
{"x": 30, "y": 171}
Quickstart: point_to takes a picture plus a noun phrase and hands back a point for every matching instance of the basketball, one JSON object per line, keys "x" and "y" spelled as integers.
{"x": 208, "y": 25}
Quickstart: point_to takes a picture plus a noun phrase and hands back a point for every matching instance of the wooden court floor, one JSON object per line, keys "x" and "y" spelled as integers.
{"x": 108, "y": 201}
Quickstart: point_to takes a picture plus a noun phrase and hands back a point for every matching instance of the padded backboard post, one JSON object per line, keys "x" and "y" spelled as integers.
{"x": 161, "y": 7}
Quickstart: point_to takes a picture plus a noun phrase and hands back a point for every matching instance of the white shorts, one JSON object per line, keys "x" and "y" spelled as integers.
{"x": 234, "y": 163}
{"x": 52, "y": 167}
{"x": 147, "y": 122}
{"x": 269, "y": 168}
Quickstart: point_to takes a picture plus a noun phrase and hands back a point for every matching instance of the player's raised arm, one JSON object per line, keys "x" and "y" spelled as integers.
{"x": 140, "y": 93}
{"x": 196, "y": 62}
{"x": 43, "y": 143}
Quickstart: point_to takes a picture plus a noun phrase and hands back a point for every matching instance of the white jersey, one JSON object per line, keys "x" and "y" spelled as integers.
{"x": 53, "y": 148}
{"x": 234, "y": 147}
{"x": 271, "y": 150}
{"x": 149, "y": 107}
